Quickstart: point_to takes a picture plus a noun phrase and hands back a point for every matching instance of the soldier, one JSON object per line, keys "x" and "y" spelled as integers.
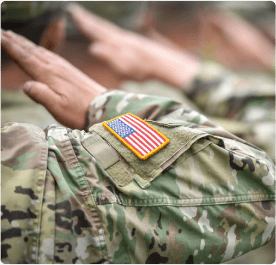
{"x": 202, "y": 195}
{"x": 244, "y": 105}
{"x": 206, "y": 31}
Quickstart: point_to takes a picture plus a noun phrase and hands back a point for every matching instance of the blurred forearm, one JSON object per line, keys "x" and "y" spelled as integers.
{"x": 177, "y": 69}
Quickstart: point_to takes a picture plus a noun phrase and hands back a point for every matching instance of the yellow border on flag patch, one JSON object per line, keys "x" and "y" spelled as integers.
{"x": 130, "y": 147}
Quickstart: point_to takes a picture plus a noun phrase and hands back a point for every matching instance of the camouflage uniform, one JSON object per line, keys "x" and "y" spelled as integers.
{"x": 244, "y": 104}
{"x": 74, "y": 197}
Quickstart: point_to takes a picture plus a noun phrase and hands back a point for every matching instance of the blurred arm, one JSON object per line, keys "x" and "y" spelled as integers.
{"x": 133, "y": 55}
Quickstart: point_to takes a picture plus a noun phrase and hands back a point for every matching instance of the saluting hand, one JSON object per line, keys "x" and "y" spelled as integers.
{"x": 61, "y": 88}
{"x": 132, "y": 55}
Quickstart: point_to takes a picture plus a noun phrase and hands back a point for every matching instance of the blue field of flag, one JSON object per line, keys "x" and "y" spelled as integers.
{"x": 121, "y": 128}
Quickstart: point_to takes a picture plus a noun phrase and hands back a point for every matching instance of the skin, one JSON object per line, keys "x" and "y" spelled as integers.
{"x": 238, "y": 43}
{"x": 76, "y": 52}
{"x": 12, "y": 77}
{"x": 64, "y": 90}
{"x": 53, "y": 39}
{"x": 54, "y": 35}
{"x": 214, "y": 35}
{"x": 131, "y": 55}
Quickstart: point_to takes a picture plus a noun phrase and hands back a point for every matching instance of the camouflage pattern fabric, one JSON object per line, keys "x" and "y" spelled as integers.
{"x": 247, "y": 102}
{"x": 211, "y": 201}
{"x": 243, "y": 104}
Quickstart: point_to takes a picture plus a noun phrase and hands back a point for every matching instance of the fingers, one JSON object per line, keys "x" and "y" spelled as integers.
{"x": 20, "y": 48}
{"x": 54, "y": 35}
{"x": 92, "y": 26}
{"x": 30, "y": 58}
{"x": 43, "y": 95}
{"x": 16, "y": 46}
{"x": 33, "y": 59}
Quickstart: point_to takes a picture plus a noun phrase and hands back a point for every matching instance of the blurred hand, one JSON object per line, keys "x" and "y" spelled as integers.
{"x": 64, "y": 90}
{"x": 54, "y": 35}
{"x": 119, "y": 48}
{"x": 238, "y": 44}
{"x": 130, "y": 54}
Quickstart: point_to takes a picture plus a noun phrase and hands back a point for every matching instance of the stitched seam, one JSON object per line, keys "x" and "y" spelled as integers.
{"x": 89, "y": 199}
{"x": 193, "y": 201}
{"x": 202, "y": 202}
{"x": 38, "y": 210}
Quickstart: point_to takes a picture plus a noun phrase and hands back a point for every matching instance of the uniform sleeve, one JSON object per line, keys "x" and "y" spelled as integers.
{"x": 244, "y": 105}
{"x": 114, "y": 103}
{"x": 211, "y": 80}
{"x": 222, "y": 93}
{"x": 48, "y": 212}
{"x": 205, "y": 199}
{"x": 23, "y": 165}
{"x": 208, "y": 202}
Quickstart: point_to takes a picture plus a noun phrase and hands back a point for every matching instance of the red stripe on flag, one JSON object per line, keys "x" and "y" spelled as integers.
{"x": 133, "y": 138}
{"x": 141, "y": 142}
{"x": 148, "y": 144}
{"x": 140, "y": 134}
{"x": 133, "y": 146}
{"x": 149, "y": 130}
{"x": 147, "y": 134}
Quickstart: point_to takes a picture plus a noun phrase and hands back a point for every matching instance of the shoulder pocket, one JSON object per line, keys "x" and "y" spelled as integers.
{"x": 123, "y": 165}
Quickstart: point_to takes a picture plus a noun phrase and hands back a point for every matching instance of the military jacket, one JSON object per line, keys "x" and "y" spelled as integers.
{"x": 71, "y": 196}
{"x": 244, "y": 104}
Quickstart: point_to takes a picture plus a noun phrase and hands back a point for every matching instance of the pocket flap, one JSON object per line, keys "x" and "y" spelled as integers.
{"x": 181, "y": 138}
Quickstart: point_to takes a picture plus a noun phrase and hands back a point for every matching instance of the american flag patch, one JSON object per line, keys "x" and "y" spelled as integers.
{"x": 139, "y": 136}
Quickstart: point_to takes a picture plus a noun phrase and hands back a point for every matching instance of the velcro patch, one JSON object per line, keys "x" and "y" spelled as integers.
{"x": 136, "y": 134}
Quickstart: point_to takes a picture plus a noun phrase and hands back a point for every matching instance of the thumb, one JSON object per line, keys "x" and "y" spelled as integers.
{"x": 41, "y": 93}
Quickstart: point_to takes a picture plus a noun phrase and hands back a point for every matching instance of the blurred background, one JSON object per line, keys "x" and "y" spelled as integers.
{"x": 162, "y": 21}
{"x": 180, "y": 25}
